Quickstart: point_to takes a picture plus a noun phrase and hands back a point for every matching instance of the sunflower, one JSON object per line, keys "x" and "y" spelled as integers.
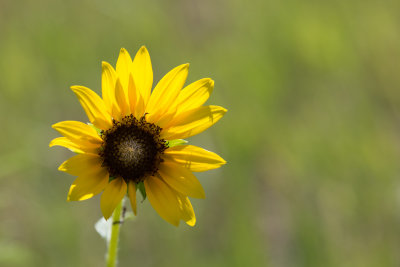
{"x": 135, "y": 139}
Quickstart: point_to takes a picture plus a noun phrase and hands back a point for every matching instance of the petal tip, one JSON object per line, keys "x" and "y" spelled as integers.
{"x": 104, "y": 64}
{"x": 143, "y": 49}
{"x": 55, "y": 125}
{"x": 191, "y": 223}
{"x": 106, "y": 215}
{"x": 69, "y": 199}
{"x": 183, "y": 67}
{"x": 222, "y": 161}
{"x": 75, "y": 88}
{"x": 211, "y": 83}
{"x": 51, "y": 144}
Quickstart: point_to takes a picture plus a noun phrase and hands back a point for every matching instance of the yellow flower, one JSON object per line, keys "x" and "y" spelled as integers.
{"x": 133, "y": 139}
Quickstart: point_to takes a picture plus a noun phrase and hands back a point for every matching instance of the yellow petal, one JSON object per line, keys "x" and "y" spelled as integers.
{"x": 164, "y": 121}
{"x": 181, "y": 179}
{"x": 132, "y": 95}
{"x": 132, "y": 195}
{"x": 140, "y": 107}
{"x": 186, "y": 209}
{"x": 87, "y": 186}
{"x": 143, "y": 73}
{"x": 121, "y": 100}
{"x": 93, "y": 106}
{"x": 165, "y": 93}
{"x": 81, "y": 164}
{"x": 79, "y": 133}
{"x": 194, "y": 158}
{"x": 112, "y": 195}
{"x": 108, "y": 79}
{"x": 193, "y": 122}
{"x": 194, "y": 95}
{"x": 163, "y": 199}
{"x": 65, "y": 142}
{"x": 124, "y": 65}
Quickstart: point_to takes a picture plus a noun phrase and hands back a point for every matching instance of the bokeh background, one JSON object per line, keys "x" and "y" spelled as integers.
{"x": 312, "y": 135}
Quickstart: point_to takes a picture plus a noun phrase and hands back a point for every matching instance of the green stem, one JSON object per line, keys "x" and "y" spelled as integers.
{"x": 113, "y": 244}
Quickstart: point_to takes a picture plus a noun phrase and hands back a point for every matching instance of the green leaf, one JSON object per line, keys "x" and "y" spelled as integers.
{"x": 142, "y": 190}
{"x": 111, "y": 178}
{"x": 176, "y": 142}
{"x": 97, "y": 129}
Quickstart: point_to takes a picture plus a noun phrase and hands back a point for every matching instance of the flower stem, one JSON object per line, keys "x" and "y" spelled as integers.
{"x": 113, "y": 243}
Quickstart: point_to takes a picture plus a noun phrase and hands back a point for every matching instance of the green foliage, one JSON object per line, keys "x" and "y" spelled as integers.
{"x": 176, "y": 142}
{"x": 142, "y": 190}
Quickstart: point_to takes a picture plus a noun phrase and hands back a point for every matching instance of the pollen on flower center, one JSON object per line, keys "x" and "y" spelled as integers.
{"x": 132, "y": 149}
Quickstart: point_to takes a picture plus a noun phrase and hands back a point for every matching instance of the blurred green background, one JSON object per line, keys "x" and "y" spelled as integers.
{"x": 312, "y": 135}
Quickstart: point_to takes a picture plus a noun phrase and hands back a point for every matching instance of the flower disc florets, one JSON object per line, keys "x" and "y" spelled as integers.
{"x": 132, "y": 149}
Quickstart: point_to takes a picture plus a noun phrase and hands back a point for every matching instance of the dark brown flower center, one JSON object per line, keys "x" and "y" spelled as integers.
{"x": 132, "y": 149}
